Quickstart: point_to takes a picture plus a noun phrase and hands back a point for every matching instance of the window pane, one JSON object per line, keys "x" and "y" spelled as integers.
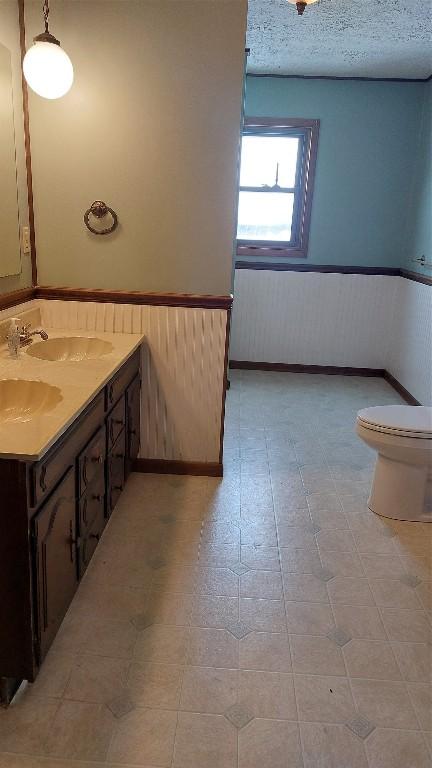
{"x": 265, "y": 215}
{"x": 260, "y": 157}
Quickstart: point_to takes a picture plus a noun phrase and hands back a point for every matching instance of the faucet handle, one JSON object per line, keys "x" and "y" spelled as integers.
{"x": 25, "y": 327}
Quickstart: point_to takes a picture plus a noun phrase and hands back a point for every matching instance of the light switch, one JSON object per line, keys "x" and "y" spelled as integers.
{"x": 25, "y": 239}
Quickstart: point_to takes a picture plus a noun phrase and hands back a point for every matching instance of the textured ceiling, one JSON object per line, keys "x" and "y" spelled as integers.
{"x": 345, "y": 38}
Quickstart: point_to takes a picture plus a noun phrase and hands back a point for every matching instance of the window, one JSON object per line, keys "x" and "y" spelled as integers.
{"x": 276, "y": 181}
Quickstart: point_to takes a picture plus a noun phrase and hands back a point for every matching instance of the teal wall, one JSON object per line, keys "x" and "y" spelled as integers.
{"x": 367, "y": 152}
{"x": 419, "y": 225}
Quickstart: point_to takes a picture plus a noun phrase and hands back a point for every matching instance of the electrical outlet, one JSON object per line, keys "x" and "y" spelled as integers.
{"x": 25, "y": 238}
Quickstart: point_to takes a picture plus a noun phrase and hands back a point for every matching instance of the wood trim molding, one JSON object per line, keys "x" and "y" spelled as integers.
{"x": 255, "y": 121}
{"x": 416, "y": 276}
{"x": 225, "y": 384}
{"x": 335, "y": 269}
{"x": 102, "y": 295}
{"x": 168, "y": 467}
{"x": 323, "y": 268}
{"x": 341, "y": 77}
{"x": 407, "y": 396}
{"x": 330, "y": 370}
{"x": 29, "y": 173}
{"x": 14, "y": 298}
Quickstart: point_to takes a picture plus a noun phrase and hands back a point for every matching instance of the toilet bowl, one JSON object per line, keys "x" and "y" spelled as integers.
{"x": 402, "y": 437}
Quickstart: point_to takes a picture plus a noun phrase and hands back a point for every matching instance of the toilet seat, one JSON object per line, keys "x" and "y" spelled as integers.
{"x": 399, "y": 420}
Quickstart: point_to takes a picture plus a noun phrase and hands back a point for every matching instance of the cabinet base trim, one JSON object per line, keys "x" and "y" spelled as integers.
{"x": 8, "y": 688}
{"x": 167, "y": 467}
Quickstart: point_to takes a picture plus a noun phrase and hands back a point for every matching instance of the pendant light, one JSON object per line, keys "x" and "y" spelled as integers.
{"x": 301, "y": 5}
{"x": 47, "y": 68}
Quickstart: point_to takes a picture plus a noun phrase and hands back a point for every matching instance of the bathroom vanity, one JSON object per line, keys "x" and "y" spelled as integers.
{"x": 54, "y": 505}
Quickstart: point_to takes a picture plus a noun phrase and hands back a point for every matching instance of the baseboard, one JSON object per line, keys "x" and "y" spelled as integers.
{"x": 329, "y": 370}
{"x": 171, "y": 467}
{"x": 407, "y": 396}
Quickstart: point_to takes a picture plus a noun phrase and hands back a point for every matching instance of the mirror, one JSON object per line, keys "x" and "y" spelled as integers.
{"x": 10, "y": 255}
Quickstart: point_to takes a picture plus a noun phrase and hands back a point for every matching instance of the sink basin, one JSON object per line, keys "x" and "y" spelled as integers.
{"x": 70, "y": 349}
{"x": 22, "y": 400}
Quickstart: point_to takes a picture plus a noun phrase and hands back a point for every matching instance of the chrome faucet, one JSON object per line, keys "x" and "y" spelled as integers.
{"x": 26, "y": 335}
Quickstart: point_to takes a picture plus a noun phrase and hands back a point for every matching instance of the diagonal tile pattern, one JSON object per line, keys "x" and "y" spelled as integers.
{"x": 239, "y": 629}
{"x": 120, "y": 706}
{"x": 239, "y": 568}
{"x": 238, "y": 716}
{"x": 361, "y": 727}
{"x": 261, "y": 620}
{"x": 339, "y": 636}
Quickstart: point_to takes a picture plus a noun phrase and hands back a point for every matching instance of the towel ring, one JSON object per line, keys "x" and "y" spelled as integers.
{"x": 99, "y": 209}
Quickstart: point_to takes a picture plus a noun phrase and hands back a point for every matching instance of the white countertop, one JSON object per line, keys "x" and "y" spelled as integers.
{"x": 79, "y": 383}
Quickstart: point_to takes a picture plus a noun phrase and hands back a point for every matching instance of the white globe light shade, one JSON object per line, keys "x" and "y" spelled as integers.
{"x": 48, "y": 70}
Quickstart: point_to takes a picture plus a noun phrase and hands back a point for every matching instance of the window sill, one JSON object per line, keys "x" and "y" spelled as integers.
{"x": 271, "y": 252}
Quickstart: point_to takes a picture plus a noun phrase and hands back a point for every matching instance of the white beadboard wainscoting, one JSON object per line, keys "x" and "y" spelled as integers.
{"x": 183, "y": 369}
{"x": 409, "y": 357}
{"x": 349, "y": 320}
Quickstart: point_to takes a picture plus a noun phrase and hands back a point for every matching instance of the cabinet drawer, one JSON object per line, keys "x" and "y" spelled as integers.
{"x": 115, "y": 472}
{"x": 123, "y": 377}
{"x": 116, "y": 422}
{"x": 47, "y": 472}
{"x": 91, "y": 461}
{"x": 92, "y": 504}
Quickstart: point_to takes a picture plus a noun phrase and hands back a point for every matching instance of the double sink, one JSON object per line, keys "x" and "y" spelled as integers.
{"x": 21, "y": 400}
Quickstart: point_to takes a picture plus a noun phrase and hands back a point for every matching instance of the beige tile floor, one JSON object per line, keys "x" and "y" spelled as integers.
{"x": 266, "y": 620}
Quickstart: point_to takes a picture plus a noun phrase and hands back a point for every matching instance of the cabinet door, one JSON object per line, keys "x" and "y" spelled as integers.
{"x": 91, "y": 504}
{"x": 115, "y": 473}
{"x": 116, "y": 422}
{"x": 133, "y": 413}
{"x": 56, "y": 571}
{"x": 92, "y": 460}
{"x": 90, "y": 539}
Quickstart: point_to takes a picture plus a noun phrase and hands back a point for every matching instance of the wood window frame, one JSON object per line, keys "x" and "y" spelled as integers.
{"x": 297, "y": 247}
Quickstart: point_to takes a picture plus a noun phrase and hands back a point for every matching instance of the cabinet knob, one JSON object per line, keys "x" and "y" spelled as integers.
{"x": 95, "y": 536}
{"x": 98, "y": 459}
{"x": 118, "y": 487}
{"x": 117, "y": 421}
{"x": 98, "y": 497}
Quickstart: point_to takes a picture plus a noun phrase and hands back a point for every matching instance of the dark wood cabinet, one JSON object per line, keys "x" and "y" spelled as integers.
{"x": 52, "y": 516}
{"x": 91, "y": 461}
{"x": 55, "y": 535}
{"x": 91, "y": 537}
{"x": 133, "y": 418}
{"x": 116, "y": 472}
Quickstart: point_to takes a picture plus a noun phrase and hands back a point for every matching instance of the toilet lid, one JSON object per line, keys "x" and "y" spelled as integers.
{"x": 404, "y": 420}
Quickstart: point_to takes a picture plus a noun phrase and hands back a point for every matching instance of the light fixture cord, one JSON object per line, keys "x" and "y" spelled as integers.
{"x": 46, "y": 14}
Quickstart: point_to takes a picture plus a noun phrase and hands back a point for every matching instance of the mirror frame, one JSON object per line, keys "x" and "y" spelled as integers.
{"x": 27, "y": 145}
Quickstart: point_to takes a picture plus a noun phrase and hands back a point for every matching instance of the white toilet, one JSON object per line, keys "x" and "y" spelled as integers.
{"x": 402, "y": 437}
